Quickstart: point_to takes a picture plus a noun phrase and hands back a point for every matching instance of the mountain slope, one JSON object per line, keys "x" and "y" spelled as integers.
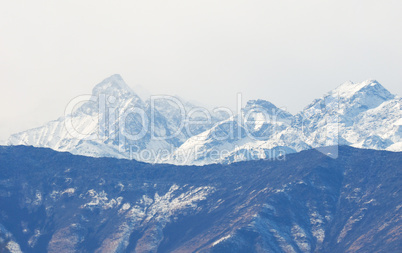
{"x": 115, "y": 122}
{"x": 255, "y": 134}
{"x": 363, "y": 115}
{"x": 51, "y": 201}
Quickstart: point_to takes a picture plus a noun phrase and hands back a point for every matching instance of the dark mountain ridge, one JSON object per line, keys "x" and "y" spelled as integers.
{"x": 55, "y": 201}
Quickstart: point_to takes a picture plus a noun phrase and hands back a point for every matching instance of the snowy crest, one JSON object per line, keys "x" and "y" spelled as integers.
{"x": 115, "y": 122}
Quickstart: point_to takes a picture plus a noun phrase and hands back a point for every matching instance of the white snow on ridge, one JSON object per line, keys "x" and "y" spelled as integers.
{"x": 107, "y": 126}
{"x": 349, "y": 89}
{"x": 363, "y": 115}
{"x": 157, "y": 210}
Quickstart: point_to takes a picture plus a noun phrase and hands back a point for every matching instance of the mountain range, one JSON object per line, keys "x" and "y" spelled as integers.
{"x": 115, "y": 122}
{"x": 58, "y": 202}
{"x": 121, "y": 173}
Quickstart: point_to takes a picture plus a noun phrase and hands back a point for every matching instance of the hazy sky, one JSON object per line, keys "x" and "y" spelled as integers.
{"x": 287, "y": 52}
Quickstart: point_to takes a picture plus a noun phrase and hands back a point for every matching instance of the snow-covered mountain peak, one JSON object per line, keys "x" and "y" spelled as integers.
{"x": 350, "y": 99}
{"x": 369, "y": 87}
{"x": 115, "y": 86}
{"x": 259, "y": 105}
{"x": 363, "y": 115}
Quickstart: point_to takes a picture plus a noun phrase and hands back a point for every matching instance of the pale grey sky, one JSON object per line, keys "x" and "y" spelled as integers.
{"x": 287, "y": 52}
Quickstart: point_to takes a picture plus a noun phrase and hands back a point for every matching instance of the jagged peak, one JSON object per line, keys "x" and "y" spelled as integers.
{"x": 113, "y": 85}
{"x": 360, "y": 96}
{"x": 267, "y": 106}
{"x": 349, "y": 89}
